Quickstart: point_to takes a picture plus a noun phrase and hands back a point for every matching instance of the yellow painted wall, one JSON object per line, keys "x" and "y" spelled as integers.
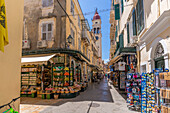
{"x": 10, "y": 60}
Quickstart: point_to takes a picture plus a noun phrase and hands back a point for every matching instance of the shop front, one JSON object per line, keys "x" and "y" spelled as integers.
{"x": 123, "y": 63}
{"x": 52, "y": 76}
{"x": 154, "y": 65}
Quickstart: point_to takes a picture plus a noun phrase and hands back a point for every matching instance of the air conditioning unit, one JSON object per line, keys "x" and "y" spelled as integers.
{"x": 42, "y": 44}
{"x": 134, "y": 40}
{"x": 25, "y": 44}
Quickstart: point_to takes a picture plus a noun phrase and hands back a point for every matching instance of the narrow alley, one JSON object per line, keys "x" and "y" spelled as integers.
{"x": 98, "y": 98}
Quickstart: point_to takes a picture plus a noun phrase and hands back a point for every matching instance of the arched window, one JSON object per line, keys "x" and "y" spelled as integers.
{"x": 97, "y": 37}
{"x": 94, "y": 30}
{"x": 98, "y": 30}
{"x": 159, "y": 51}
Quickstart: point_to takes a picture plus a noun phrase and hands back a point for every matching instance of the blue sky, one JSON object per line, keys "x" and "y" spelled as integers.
{"x": 90, "y": 6}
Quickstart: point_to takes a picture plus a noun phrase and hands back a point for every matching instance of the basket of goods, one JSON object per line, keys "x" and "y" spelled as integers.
{"x": 66, "y": 90}
{"x": 71, "y": 90}
{"x": 58, "y": 91}
{"x": 62, "y": 91}
{"x": 56, "y": 96}
{"x": 53, "y": 91}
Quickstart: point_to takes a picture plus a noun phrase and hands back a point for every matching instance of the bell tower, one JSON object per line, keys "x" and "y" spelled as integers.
{"x": 97, "y": 32}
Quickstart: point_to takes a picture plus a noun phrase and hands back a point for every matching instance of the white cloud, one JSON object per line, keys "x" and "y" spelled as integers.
{"x": 106, "y": 60}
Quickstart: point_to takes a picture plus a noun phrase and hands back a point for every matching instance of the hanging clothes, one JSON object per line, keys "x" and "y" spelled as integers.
{"x": 3, "y": 26}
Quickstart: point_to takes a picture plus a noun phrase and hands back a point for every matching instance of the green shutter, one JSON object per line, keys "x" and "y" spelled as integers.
{"x": 113, "y": 3}
{"x": 117, "y": 12}
{"x": 121, "y": 40}
{"x": 122, "y": 6}
{"x": 134, "y": 22}
{"x": 128, "y": 37}
{"x": 116, "y": 33}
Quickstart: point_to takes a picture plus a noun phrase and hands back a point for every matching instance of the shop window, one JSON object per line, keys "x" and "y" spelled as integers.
{"x": 72, "y": 7}
{"x": 140, "y": 16}
{"x": 47, "y": 31}
{"x": 47, "y": 3}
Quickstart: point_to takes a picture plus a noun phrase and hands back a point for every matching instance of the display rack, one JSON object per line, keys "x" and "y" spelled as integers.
{"x": 164, "y": 92}
{"x": 58, "y": 71}
{"x": 148, "y": 93}
{"x": 47, "y": 76}
{"x": 28, "y": 80}
{"x": 133, "y": 88}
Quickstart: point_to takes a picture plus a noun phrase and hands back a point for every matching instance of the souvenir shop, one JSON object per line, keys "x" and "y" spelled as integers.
{"x": 122, "y": 65}
{"x": 156, "y": 92}
{"x": 53, "y": 76}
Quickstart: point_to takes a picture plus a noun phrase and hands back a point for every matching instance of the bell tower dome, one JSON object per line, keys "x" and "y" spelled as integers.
{"x": 97, "y": 32}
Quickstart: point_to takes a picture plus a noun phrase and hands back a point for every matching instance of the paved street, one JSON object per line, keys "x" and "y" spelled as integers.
{"x": 98, "y": 98}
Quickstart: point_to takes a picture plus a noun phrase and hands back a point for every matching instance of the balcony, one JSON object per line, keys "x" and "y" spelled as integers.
{"x": 85, "y": 37}
{"x": 85, "y": 31}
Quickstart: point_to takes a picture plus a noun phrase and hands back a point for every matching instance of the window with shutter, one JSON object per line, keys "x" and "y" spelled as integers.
{"x": 134, "y": 22}
{"x": 121, "y": 40}
{"x": 122, "y": 6}
{"x": 140, "y": 16}
{"x": 128, "y": 37}
{"x": 47, "y": 31}
{"x": 117, "y": 12}
{"x": 116, "y": 34}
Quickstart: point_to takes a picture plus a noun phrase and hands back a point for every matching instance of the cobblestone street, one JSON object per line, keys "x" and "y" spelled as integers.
{"x": 98, "y": 98}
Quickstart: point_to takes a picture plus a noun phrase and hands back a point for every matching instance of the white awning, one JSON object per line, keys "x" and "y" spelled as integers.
{"x": 37, "y": 59}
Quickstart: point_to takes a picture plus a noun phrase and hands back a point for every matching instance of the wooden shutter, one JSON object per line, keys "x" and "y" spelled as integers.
{"x": 134, "y": 22}
{"x": 122, "y": 6}
{"x": 117, "y": 12}
{"x": 121, "y": 40}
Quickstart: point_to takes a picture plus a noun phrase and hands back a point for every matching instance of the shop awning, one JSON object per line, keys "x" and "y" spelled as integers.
{"x": 115, "y": 59}
{"x": 36, "y": 59}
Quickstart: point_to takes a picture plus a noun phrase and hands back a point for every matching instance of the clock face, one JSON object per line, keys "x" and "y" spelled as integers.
{"x": 97, "y": 37}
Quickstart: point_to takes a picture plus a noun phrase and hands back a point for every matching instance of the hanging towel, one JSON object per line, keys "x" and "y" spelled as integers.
{"x": 3, "y": 26}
